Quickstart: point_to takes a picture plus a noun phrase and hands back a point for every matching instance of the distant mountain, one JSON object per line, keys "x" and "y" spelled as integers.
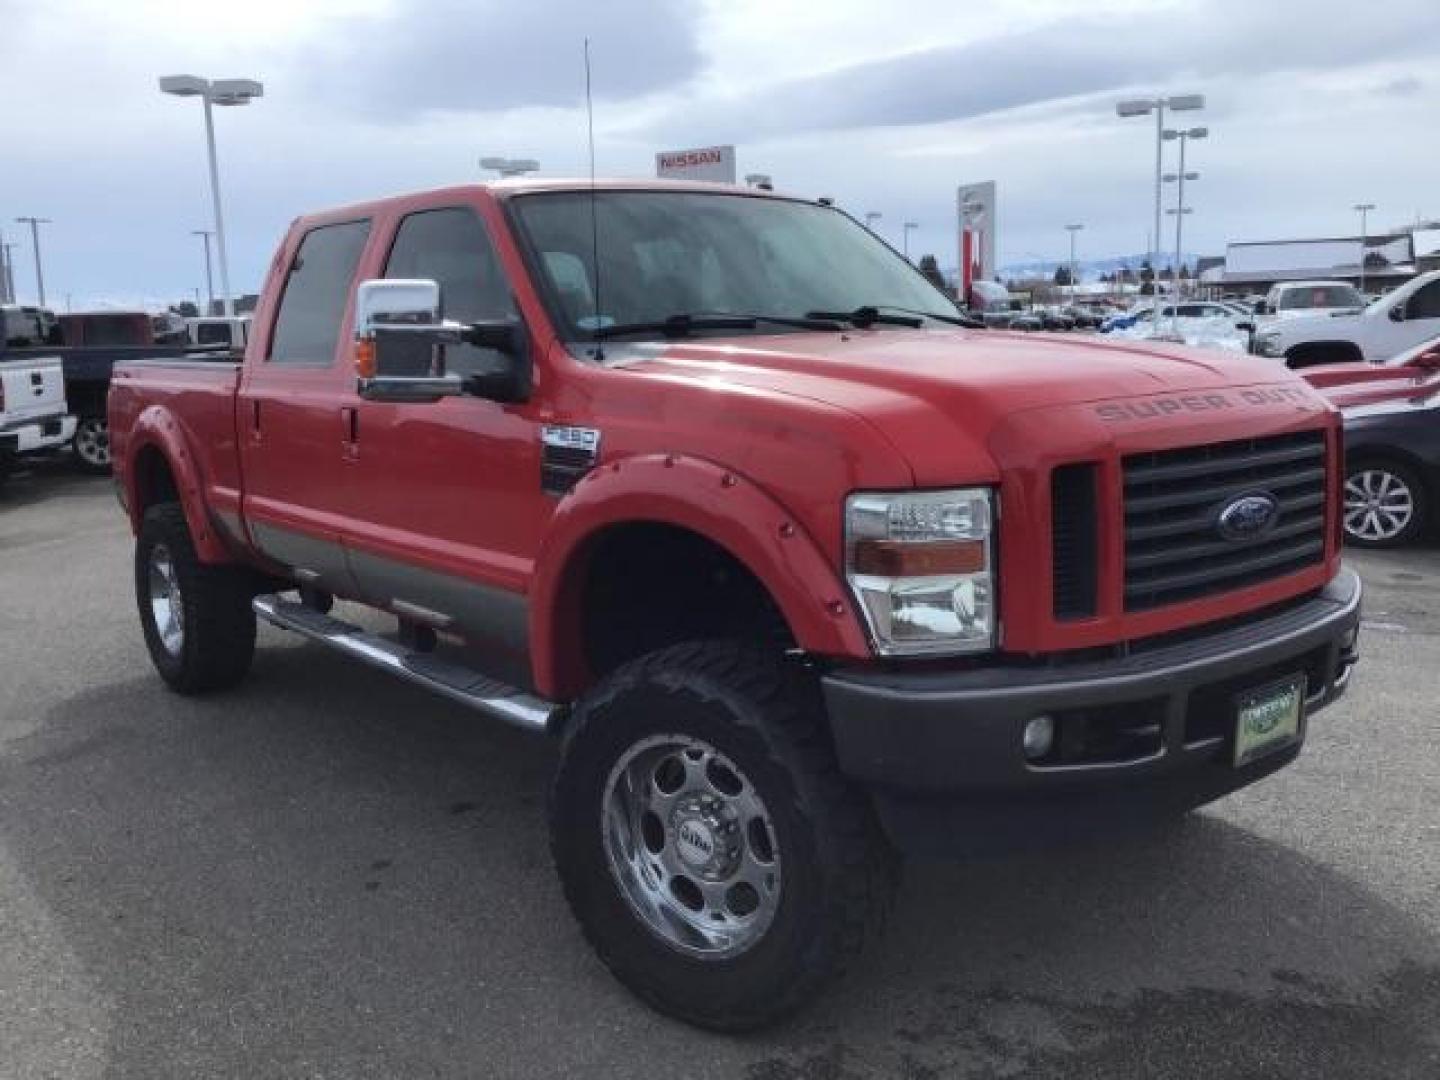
{"x": 1090, "y": 269}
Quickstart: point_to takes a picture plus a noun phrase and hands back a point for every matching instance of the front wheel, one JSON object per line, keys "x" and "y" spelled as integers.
{"x": 713, "y": 855}
{"x": 1385, "y": 504}
{"x": 92, "y": 444}
{"x": 196, "y": 617}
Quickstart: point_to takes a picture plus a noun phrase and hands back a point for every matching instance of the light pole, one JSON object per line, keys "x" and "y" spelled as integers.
{"x": 1180, "y": 209}
{"x": 215, "y": 92}
{"x": 1363, "y": 209}
{"x": 508, "y": 167}
{"x": 905, "y": 230}
{"x": 6, "y": 295}
{"x": 35, "y": 223}
{"x": 1158, "y": 105}
{"x": 205, "y": 235}
{"x": 871, "y": 217}
{"x": 10, "y": 272}
{"x": 1072, "y": 230}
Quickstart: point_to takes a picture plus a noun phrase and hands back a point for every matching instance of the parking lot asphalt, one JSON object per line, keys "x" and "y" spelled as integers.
{"x": 326, "y": 873}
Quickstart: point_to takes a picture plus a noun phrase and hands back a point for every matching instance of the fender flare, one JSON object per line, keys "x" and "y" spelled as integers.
{"x": 705, "y": 498}
{"x": 156, "y": 428}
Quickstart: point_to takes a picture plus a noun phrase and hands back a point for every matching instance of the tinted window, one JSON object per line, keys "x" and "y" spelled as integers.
{"x": 212, "y": 334}
{"x": 452, "y": 248}
{"x": 1425, "y": 304}
{"x": 308, "y": 326}
{"x": 1321, "y": 296}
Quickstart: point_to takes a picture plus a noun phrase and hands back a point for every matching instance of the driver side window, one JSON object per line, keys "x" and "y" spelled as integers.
{"x": 452, "y": 248}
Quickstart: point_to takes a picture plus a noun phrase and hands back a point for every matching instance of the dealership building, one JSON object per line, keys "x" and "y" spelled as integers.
{"x": 1389, "y": 260}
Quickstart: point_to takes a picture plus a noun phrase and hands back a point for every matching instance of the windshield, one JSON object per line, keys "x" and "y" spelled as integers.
{"x": 1321, "y": 296}
{"x": 664, "y": 254}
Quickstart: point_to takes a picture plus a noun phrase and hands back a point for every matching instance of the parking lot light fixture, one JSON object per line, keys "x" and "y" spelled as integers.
{"x": 508, "y": 167}
{"x": 215, "y": 92}
{"x": 35, "y": 223}
{"x": 1158, "y": 105}
{"x": 1072, "y": 230}
{"x": 907, "y": 229}
{"x": 1363, "y": 209}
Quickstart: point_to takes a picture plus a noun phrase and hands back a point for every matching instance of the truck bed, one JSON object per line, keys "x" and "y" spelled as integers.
{"x": 198, "y": 396}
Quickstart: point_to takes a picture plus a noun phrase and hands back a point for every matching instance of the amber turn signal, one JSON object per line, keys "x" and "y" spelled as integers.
{"x": 365, "y": 358}
{"x": 893, "y": 558}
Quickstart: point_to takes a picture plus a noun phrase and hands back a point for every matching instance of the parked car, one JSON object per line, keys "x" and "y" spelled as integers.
{"x": 218, "y": 330}
{"x": 1392, "y": 435}
{"x": 88, "y": 344}
{"x": 992, "y": 304}
{"x": 1080, "y": 318}
{"x": 748, "y": 567}
{"x": 1293, "y": 299}
{"x": 1396, "y": 322}
{"x": 1055, "y": 318}
{"x": 1392, "y": 468}
{"x": 33, "y": 416}
{"x": 1125, "y": 320}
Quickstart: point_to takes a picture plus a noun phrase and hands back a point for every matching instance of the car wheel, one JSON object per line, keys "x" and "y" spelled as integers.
{"x": 1385, "y": 504}
{"x": 712, "y": 853}
{"x": 197, "y": 620}
{"x": 92, "y": 444}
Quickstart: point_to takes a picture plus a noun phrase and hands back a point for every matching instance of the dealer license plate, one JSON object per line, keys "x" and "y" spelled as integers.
{"x": 1268, "y": 718}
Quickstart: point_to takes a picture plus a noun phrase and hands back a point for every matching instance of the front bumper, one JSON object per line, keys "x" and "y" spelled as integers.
{"x": 1139, "y": 736}
{"x": 36, "y": 436}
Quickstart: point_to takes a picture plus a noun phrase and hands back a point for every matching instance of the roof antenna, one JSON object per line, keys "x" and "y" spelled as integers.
{"x": 599, "y": 352}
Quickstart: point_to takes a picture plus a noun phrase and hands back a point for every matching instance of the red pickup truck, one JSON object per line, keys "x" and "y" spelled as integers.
{"x": 802, "y": 568}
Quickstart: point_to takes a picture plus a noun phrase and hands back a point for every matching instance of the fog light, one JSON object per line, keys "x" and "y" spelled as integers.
{"x": 1039, "y": 737}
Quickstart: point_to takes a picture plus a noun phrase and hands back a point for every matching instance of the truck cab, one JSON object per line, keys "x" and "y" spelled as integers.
{"x": 1375, "y": 333}
{"x": 800, "y": 569}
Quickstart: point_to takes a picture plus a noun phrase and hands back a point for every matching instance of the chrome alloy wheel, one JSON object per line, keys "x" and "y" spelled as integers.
{"x": 92, "y": 443}
{"x": 1378, "y": 505}
{"x": 692, "y": 846}
{"x": 167, "y": 607}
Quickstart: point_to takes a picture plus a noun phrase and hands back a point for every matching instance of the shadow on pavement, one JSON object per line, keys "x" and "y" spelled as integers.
{"x": 328, "y": 873}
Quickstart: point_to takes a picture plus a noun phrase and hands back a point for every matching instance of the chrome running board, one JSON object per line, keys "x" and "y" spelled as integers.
{"x": 454, "y": 681}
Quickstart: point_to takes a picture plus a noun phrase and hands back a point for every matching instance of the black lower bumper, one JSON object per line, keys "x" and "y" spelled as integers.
{"x": 1138, "y": 737}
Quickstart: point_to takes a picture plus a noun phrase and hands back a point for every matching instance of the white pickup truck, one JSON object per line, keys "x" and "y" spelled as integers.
{"x": 1398, "y": 321}
{"x": 32, "y": 409}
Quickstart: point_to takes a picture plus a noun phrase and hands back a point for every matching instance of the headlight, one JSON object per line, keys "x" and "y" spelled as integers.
{"x": 1268, "y": 344}
{"x": 920, "y": 566}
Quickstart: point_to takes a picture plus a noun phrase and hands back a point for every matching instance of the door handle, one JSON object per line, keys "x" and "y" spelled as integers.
{"x": 350, "y": 423}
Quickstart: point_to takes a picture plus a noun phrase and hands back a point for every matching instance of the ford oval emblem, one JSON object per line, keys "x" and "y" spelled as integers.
{"x": 1248, "y": 517}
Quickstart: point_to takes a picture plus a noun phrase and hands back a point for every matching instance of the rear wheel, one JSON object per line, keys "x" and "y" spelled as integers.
{"x": 92, "y": 444}
{"x": 1385, "y": 504}
{"x": 715, "y": 858}
{"x": 197, "y": 619}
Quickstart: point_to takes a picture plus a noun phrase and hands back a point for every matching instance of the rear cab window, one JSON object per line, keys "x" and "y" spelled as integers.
{"x": 317, "y": 287}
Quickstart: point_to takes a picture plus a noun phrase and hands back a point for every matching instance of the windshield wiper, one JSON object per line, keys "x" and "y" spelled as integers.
{"x": 684, "y": 324}
{"x": 869, "y": 314}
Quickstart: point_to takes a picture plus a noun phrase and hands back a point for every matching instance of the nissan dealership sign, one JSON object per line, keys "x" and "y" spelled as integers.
{"x": 713, "y": 163}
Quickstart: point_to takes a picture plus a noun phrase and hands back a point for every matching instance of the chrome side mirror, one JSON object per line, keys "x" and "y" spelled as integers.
{"x": 398, "y": 334}
{"x": 400, "y": 340}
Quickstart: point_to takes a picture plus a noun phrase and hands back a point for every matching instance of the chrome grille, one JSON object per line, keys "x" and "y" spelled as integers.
{"x": 1174, "y": 549}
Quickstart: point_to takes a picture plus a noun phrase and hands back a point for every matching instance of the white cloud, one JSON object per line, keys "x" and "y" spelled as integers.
{"x": 886, "y": 109}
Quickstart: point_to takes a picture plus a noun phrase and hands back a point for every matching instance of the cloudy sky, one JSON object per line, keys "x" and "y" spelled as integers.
{"x": 1313, "y": 105}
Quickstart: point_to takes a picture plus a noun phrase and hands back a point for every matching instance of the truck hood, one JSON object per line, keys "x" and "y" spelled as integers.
{"x": 937, "y": 394}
